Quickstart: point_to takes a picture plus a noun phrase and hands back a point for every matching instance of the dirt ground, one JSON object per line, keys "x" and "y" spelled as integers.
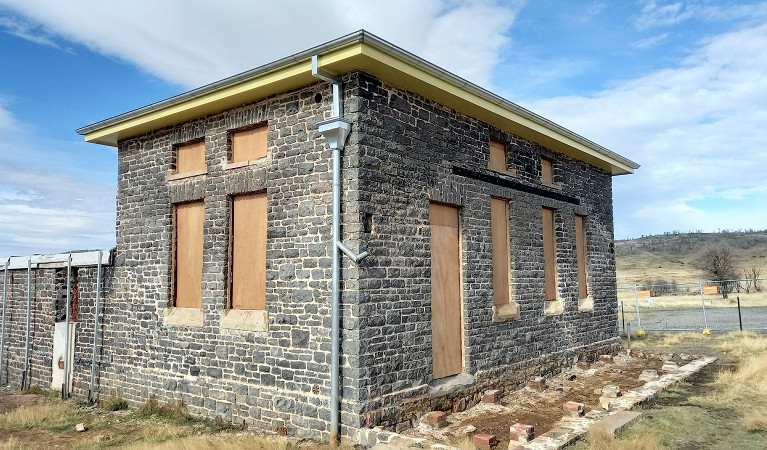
{"x": 543, "y": 409}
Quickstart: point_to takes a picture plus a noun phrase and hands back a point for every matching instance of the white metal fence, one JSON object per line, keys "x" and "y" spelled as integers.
{"x": 727, "y": 305}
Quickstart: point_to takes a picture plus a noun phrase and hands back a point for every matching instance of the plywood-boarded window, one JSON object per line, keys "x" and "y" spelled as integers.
{"x": 549, "y": 255}
{"x": 497, "y": 157}
{"x": 499, "y": 230}
{"x": 248, "y": 252}
{"x": 190, "y": 158}
{"x": 249, "y": 144}
{"x": 547, "y": 171}
{"x": 580, "y": 252}
{"x": 187, "y": 273}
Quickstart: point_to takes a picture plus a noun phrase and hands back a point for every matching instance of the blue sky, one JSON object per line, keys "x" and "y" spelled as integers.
{"x": 678, "y": 86}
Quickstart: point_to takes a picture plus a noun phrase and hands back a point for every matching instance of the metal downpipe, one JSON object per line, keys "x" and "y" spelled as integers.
{"x": 91, "y": 390}
{"x": 2, "y": 327}
{"x": 65, "y": 385}
{"x": 335, "y": 311}
{"x": 25, "y": 375}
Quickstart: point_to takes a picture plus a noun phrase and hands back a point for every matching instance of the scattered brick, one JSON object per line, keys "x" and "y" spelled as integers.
{"x": 611, "y": 391}
{"x": 669, "y": 367}
{"x": 492, "y": 396}
{"x": 648, "y": 375}
{"x": 573, "y": 409}
{"x": 606, "y": 358}
{"x": 537, "y": 383}
{"x": 436, "y": 419}
{"x": 521, "y": 433}
{"x": 583, "y": 365}
{"x": 606, "y": 402}
{"x": 484, "y": 441}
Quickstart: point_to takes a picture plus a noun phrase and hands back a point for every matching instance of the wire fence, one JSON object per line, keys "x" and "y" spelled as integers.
{"x": 701, "y": 306}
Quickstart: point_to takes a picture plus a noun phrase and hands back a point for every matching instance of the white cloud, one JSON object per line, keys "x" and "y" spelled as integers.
{"x": 662, "y": 13}
{"x": 697, "y": 129}
{"x": 25, "y": 30}
{"x": 196, "y": 42}
{"x": 651, "y": 41}
{"x": 44, "y": 210}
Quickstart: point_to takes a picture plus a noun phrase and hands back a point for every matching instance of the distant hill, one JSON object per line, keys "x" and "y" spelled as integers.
{"x": 675, "y": 256}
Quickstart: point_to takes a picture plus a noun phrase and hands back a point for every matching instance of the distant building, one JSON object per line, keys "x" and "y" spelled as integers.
{"x": 488, "y": 232}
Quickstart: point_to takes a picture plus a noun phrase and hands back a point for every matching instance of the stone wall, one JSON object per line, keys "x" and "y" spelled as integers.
{"x": 413, "y": 151}
{"x": 264, "y": 379}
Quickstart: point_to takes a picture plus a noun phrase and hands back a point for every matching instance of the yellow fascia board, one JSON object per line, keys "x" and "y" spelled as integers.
{"x": 274, "y": 82}
{"x": 411, "y": 77}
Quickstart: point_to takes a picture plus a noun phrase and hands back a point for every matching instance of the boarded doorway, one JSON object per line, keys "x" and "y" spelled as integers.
{"x": 447, "y": 347}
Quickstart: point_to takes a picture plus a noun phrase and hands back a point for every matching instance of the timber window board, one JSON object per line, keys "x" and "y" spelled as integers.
{"x": 247, "y": 251}
{"x": 188, "y": 219}
{"x": 248, "y": 145}
{"x": 498, "y": 159}
{"x": 585, "y": 300}
{"x": 189, "y": 159}
{"x": 547, "y": 174}
{"x": 504, "y": 307}
{"x": 549, "y": 255}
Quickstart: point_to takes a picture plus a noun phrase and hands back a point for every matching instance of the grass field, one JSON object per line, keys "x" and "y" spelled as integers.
{"x": 723, "y": 407}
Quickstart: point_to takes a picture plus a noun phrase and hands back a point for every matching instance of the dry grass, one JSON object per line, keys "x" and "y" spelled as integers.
{"x": 756, "y": 421}
{"x": 175, "y": 410}
{"x": 45, "y": 415}
{"x": 665, "y": 341}
{"x": 227, "y": 442}
{"x": 12, "y": 444}
{"x": 113, "y": 403}
{"x": 600, "y": 438}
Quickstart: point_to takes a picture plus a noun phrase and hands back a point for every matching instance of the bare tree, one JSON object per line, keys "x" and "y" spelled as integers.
{"x": 752, "y": 274}
{"x": 718, "y": 264}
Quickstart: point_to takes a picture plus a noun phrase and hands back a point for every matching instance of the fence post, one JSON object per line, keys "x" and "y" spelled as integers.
{"x": 703, "y": 303}
{"x": 636, "y": 300}
{"x": 740, "y": 319}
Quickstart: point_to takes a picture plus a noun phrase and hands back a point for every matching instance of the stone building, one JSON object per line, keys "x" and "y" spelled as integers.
{"x": 485, "y": 235}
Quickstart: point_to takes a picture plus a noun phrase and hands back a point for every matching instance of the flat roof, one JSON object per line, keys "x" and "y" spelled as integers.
{"x": 369, "y": 53}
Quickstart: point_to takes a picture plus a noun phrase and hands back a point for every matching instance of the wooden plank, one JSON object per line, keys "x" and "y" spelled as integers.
{"x": 547, "y": 171}
{"x": 499, "y": 231}
{"x": 549, "y": 255}
{"x": 249, "y": 251}
{"x": 580, "y": 252}
{"x": 249, "y": 144}
{"x": 497, "y": 157}
{"x": 642, "y": 293}
{"x": 190, "y": 157}
{"x": 443, "y": 215}
{"x": 188, "y": 266}
{"x": 447, "y": 347}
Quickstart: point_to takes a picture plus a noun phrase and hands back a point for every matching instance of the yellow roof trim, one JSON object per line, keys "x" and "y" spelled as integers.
{"x": 358, "y": 51}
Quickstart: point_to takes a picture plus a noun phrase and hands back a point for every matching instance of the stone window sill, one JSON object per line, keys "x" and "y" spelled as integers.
{"x": 553, "y": 307}
{"x": 508, "y": 172}
{"x": 170, "y": 176}
{"x": 557, "y": 186}
{"x": 586, "y": 304}
{"x": 506, "y": 313}
{"x": 238, "y": 164}
{"x": 184, "y": 317}
{"x": 245, "y": 320}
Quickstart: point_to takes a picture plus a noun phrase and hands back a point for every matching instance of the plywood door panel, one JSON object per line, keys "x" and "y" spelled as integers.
{"x": 249, "y": 251}
{"x": 189, "y": 236}
{"x": 499, "y": 230}
{"x": 190, "y": 157}
{"x": 447, "y": 347}
{"x": 249, "y": 144}
{"x": 580, "y": 251}
{"x": 497, "y": 156}
{"x": 549, "y": 255}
